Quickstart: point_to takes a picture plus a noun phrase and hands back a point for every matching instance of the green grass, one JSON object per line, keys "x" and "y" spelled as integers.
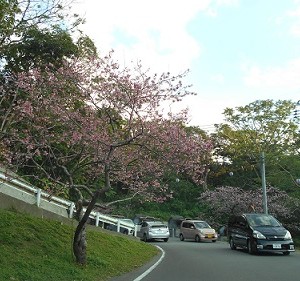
{"x": 33, "y": 249}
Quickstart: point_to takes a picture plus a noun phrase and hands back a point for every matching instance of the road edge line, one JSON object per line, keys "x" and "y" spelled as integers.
{"x": 153, "y": 266}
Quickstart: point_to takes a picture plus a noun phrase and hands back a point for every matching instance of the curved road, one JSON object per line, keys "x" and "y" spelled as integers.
{"x": 191, "y": 261}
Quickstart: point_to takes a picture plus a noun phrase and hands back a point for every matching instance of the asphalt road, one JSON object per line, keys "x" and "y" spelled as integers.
{"x": 191, "y": 261}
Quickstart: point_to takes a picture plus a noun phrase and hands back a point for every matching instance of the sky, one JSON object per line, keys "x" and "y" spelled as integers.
{"x": 237, "y": 51}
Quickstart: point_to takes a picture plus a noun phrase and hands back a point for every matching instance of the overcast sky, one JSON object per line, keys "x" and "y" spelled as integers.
{"x": 237, "y": 51}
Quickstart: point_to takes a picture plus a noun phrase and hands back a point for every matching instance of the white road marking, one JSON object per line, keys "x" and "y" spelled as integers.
{"x": 153, "y": 266}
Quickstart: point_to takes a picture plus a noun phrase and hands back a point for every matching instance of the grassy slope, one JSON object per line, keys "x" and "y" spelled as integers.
{"x": 38, "y": 249}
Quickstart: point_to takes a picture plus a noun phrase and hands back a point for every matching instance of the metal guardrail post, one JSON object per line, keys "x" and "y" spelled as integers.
{"x": 97, "y": 218}
{"x": 135, "y": 230}
{"x": 118, "y": 226}
{"x": 38, "y": 197}
{"x": 71, "y": 210}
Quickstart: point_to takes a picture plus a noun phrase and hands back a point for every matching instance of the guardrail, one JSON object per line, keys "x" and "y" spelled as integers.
{"x": 13, "y": 186}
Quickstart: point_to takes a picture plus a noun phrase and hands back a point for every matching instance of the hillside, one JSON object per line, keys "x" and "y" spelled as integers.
{"x": 36, "y": 249}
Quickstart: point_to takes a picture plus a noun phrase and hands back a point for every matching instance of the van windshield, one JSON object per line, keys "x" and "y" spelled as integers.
{"x": 202, "y": 224}
{"x": 262, "y": 220}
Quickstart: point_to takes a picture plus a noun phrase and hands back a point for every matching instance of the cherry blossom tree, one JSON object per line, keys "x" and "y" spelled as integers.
{"x": 91, "y": 124}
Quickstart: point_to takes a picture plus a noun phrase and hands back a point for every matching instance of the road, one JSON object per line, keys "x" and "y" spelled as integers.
{"x": 191, "y": 261}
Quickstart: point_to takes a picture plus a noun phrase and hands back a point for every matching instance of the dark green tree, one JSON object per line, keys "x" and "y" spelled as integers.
{"x": 39, "y": 48}
{"x": 262, "y": 126}
{"x": 16, "y": 17}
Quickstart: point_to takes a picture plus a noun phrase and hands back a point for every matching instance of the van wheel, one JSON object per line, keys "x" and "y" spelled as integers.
{"x": 166, "y": 239}
{"x": 286, "y": 253}
{"x": 197, "y": 238}
{"x": 251, "y": 247}
{"x": 231, "y": 243}
{"x": 181, "y": 237}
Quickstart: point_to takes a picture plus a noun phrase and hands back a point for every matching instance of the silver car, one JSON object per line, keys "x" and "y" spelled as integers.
{"x": 151, "y": 230}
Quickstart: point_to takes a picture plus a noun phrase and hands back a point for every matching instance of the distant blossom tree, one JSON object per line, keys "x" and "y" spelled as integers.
{"x": 225, "y": 201}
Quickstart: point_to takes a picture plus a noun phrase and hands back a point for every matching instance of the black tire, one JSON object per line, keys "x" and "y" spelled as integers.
{"x": 125, "y": 232}
{"x": 231, "y": 244}
{"x": 286, "y": 253}
{"x": 181, "y": 237}
{"x": 214, "y": 241}
{"x": 166, "y": 239}
{"x": 251, "y": 247}
{"x": 197, "y": 239}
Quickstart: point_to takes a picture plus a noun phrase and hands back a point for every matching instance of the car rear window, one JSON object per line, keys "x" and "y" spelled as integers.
{"x": 159, "y": 226}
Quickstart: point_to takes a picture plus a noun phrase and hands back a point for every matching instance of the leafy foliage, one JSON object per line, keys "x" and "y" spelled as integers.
{"x": 16, "y": 17}
{"x": 39, "y": 48}
{"x": 262, "y": 126}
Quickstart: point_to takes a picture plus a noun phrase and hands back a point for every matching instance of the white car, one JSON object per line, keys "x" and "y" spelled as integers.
{"x": 151, "y": 230}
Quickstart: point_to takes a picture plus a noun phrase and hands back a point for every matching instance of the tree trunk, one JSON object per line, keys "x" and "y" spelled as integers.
{"x": 80, "y": 244}
{"x": 79, "y": 241}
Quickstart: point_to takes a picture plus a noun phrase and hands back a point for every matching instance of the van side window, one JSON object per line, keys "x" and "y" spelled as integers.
{"x": 186, "y": 225}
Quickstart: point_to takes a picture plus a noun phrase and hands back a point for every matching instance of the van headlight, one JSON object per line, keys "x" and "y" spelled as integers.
{"x": 288, "y": 235}
{"x": 258, "y": 235}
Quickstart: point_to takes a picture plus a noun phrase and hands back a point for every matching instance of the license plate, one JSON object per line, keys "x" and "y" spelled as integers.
{"x": 276, "y": 246}
{"x": 209, "y": 236}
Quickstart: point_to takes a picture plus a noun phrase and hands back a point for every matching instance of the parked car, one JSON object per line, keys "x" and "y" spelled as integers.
{"x": 259, "y": 233}
{"x": 197, "y": 230}
{"x": 127, "y": 227}
{"x": 151, "y": 230}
